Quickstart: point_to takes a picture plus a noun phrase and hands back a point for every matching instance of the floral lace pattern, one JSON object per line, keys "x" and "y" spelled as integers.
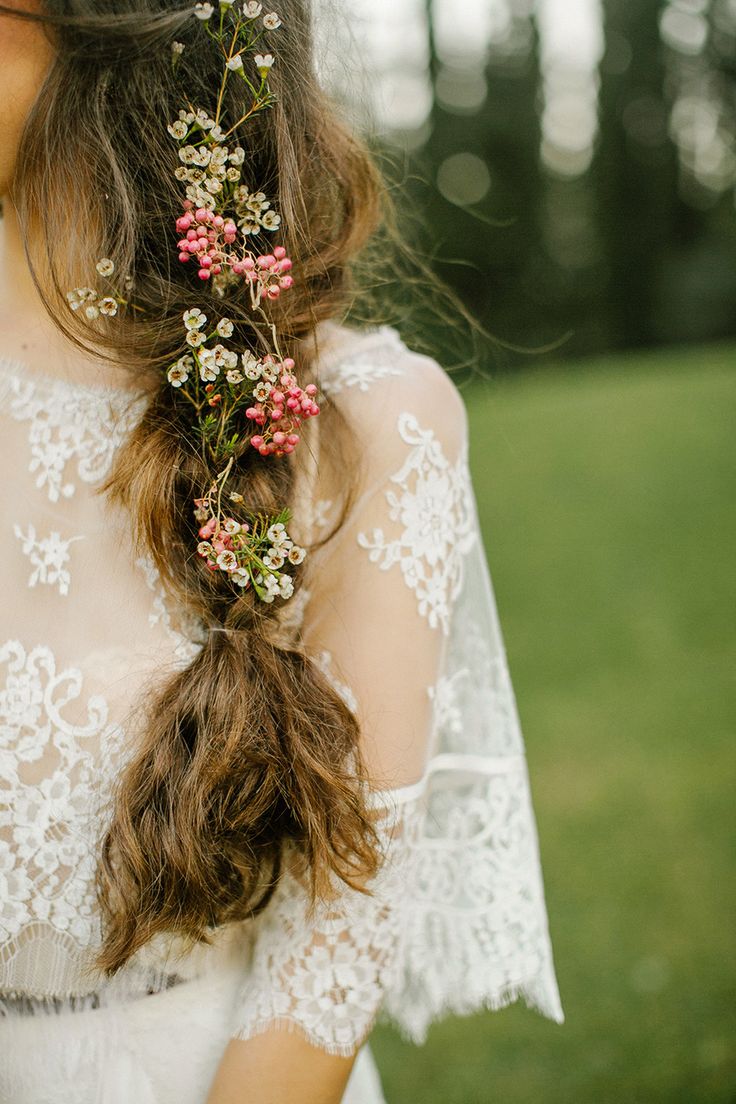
{"x": 46, "y": 852}
{"x": 433, "y": 504}
{"x": 455, "y": 922}
{"x": 327, "y": 975}
{"x": 474, "y": 928}
{"x": 367, "y": 364}
{"x": 183, "y": 638}
{"x": 49, "y": 556}
{"x": 83, "y": 424}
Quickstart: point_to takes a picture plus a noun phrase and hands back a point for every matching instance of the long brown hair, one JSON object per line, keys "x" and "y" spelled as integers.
{"x": 249, "y": 746}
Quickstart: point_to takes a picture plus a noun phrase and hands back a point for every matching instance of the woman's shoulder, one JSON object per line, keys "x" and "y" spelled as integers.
{"x": 402, "y": 420}
{"x": 373, "y": 374}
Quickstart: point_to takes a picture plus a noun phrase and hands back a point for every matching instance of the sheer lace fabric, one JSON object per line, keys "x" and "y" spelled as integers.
{"x": 398, "y": 609}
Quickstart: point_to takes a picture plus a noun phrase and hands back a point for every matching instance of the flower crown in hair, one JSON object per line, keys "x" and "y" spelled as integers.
{"x": 238, "y": 400}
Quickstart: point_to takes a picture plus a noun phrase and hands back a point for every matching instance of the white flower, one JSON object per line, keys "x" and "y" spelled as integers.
{"x": 195, "y": 338}
{"x": 234, "y": 496}
{"x": 178, "y": 130}
{"x": 198, "y": 196}
{"x": 234, "y": 376}
{"x": 186, "y": 116}
{"x": 177, "y": 47}
{"x": 286, "y": 586}
{"x": 181, "y": 172}
{"x": 261, "y": 391}
{"x": 271, "y": 21}
{"x": 272, "y": 584}
{"x": 252, "y": 366}
{"x": 277, "y": 532}
{"x": 179, "y": 372}
{"x": 257, "y": 202}
{"x": 220, "y": 356}
{"x": 92, "y": 312}
{"x": 270, "y": 220}
{"x": 274, "y": 558}
{"x": 204, "y": 548}
{"x": 231, "y": 526}
{"x": 187, "y": 155}
{"x": 235, "y": 63}
{"x": 203, "y": 11}
{"x": 108, "y": 306}
{"x": 241, "y": 577}
{"x": 233, "y": 173}
{"x": 208, "y": 370}
{"x": 237, "y": 157}
{"x": 225, "y": 327}
{"x": 249, "y": 224}
{"x": 270, "y": 370}
{"x": 263, "y": 63}
{"x": 212, "y": 184}
{"x": 296, "y": 554}
{"x": 252, "y": 9}
{"x": 217, "y": 132}
{"x": 227, "y": 560}
{"x": 194, "y": 319}
{"x": 105, "y": 267}
{"x": 201, "y": 156}
{"x": 79, "y": 296}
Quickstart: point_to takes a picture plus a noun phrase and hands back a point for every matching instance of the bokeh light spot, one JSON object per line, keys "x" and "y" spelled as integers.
{"x": 464, "y": 179}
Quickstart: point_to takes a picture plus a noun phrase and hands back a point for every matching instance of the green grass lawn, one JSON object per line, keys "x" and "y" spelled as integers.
{"x": 606, "y": 492}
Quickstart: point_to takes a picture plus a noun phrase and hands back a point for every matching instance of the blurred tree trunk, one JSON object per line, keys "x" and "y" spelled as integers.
{"x": 498, "y": 275}
{"x": 635, "y": 170}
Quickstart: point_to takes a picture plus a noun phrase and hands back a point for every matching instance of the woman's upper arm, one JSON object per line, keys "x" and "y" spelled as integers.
{"x": 383, "y": 588}
{"x": 276, "y": 1066}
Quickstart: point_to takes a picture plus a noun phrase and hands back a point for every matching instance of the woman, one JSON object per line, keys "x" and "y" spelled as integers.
{"x": 261, "y": 766}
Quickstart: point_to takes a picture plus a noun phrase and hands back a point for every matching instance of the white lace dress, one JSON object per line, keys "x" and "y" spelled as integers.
{"x": 399, "y": 611}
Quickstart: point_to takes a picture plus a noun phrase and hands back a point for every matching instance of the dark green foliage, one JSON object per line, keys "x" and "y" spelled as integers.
{"x": 637, "y": 251}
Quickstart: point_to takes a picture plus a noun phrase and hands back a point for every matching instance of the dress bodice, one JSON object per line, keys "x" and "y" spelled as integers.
{"x": 86, "y": 631}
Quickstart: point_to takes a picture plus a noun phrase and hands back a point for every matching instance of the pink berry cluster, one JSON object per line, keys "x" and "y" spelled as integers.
{"x": 207, "y": 235}
{"x": 209, "y": 239}
{"x": 270, "y": 271}
{"x": 280, "y": 407}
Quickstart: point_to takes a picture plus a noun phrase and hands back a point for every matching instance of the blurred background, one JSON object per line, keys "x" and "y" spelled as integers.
{"x": 568, "y": 167}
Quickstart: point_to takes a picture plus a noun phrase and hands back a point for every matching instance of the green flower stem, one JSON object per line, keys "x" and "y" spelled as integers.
{"x": 221, "y": 480}
{"x": 258, "y": 105}
{"x": 226, "y": 71}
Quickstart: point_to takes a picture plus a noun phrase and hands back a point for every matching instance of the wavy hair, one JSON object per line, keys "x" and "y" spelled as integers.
{"x": 248, "y": 746}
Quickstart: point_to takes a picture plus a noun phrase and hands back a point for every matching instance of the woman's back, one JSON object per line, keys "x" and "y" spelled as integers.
{"x": 97, "y": 633}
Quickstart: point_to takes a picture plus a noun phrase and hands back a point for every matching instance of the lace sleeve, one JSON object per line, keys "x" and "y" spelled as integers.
{"x": 326, "y": 976}
{"x": 402, "y": 618}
